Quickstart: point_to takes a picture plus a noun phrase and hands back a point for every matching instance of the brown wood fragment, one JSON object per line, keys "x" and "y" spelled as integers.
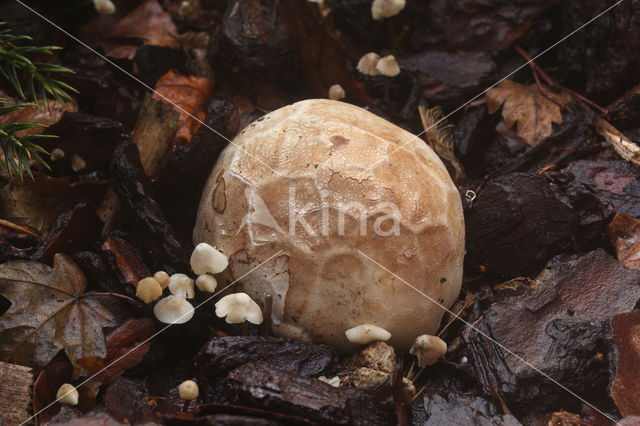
{"x": 15, "y": 393}
{"x": 153, "y": 134}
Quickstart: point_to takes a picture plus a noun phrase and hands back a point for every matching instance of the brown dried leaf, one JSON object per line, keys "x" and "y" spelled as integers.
{"x": 148, "y": 22}
{"x": 38, "y": 202}
{"x": 532, "y": 109}
{"x": 190, "y": 93}
{"x": 50, "y": 311}
{"x": 624, "y": 236}
{"x": 45, "y": 115}
{"x": 625, "y": 389}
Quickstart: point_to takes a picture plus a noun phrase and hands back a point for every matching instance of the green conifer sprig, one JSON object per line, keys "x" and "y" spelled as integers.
{"x": 30, "y": 80}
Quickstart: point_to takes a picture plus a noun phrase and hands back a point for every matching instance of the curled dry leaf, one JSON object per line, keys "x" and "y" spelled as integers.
{"x": 533, "y": 109}
{"x": 190, "y": 93}
{"x": 148, "y": 22}
{"x": 624, "y": 236}
{"x": 50, "y": 311}
{"x": 38, "y": 202}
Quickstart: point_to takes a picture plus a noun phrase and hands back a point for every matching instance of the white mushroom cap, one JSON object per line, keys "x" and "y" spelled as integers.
{"x": 206, "y": 259}
{"x": 428, "y": 349}
{"x": 239, "y": 307}
{"x": 148, "y": 290}
{"x": 206, "y": 283}
{"x": 381, "y": 9}
{"x": 173, "y": 310}
{"x": 388, "y": 66}
{"x": 182, "y": 286}
{"x": 336, "y": 92}
{"x": 105, "y": 7}
{"x": 367, "y": 64}
{"x": 367, "y": 333}
{"x": 67, "y": 394}
{"x": 188, "y": 390}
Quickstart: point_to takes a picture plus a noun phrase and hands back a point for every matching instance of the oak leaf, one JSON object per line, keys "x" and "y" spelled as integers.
{"x": 532, "y": 109}
{"x": 50, "y": 311}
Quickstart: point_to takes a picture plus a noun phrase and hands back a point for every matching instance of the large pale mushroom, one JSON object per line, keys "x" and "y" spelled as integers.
{"x": 327, "y": 183}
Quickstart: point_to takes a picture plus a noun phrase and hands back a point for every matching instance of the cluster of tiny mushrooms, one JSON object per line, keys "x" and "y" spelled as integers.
{"x": 207, "y": 261}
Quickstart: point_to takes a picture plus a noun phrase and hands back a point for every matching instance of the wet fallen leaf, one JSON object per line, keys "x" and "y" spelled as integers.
{"x": 38, "y": 202}
{"x": 624, "y": 236}
{"x": 625, "y": 389}
{"x": 148, "y": 22}
{"x": 190, "y": 94}
{"x": 45, "y": 115}
{"x": 50, "y": 311}
{"x": 46, "y": 386}
{"x": 533, "y": 110}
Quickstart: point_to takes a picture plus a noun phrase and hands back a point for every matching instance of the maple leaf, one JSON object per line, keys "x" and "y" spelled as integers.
{"x": 533, "y": 110}
{"x": 50, "y": 311}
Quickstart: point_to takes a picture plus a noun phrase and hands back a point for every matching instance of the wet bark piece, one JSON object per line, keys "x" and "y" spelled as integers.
{"x": 494, "y": 25}
{"x": 516, "y": 225}
{"x": 615, "y": 181}
{"x": 625, "y": 388}
{"x": 92, "y": 138}
{"x": 15, "y": 393}
{"x": 451, "y": 77}
{"x": 254, "y": 37}
{"x": 224, "y": 354}
{"x": 557, "y": 326}
{"x": 601, "y": 62}
{"x": 269, "y": 388}
{"x": 126, "y": 401}
{"x": 449, "y": 399}
{"x": 151, "y": 228}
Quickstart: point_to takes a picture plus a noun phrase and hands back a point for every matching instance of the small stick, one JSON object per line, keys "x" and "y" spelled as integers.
{"x": 265, "y": 330}
{"x": 554, "y": 83}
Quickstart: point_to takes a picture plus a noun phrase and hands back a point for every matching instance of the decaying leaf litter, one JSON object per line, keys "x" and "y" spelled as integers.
{"x": 552, "y": 230}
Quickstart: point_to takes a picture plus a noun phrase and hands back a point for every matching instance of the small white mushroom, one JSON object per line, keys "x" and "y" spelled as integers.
{"x": 388, "y": 66}
{"x": 367, "y": 64}
{"x": 182, "y": 286}
{"x": 333, "y": 381}
{"x": 381, "y": 9}
{"x": 67, "y": 394}
{"x": 148, "y": 290}
{"x": 206, "y": 259}
{"x": 428, "y": 349}
{"x": 104, "y": 7}
{"x": 367, "y": 333}
{"x": 206, "y": 283}
{"x": 77, "y": 163}
{"x": 188, "y": 390}
{"x": 239, "y": 307}
{"x": 163, "y": 278}
{"x": 336, "y": 92}
{"x": 57, "y": 154}
{"x": 173, "y": 310}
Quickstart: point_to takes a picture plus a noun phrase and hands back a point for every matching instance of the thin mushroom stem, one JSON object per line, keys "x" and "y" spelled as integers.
{"x": 265, "y": 329}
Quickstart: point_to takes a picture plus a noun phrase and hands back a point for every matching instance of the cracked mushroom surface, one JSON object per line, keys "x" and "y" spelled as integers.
{"x": 325, "y": 181}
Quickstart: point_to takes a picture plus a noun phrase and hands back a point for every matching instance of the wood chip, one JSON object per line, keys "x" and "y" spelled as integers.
{"x": 15, "y": 393}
